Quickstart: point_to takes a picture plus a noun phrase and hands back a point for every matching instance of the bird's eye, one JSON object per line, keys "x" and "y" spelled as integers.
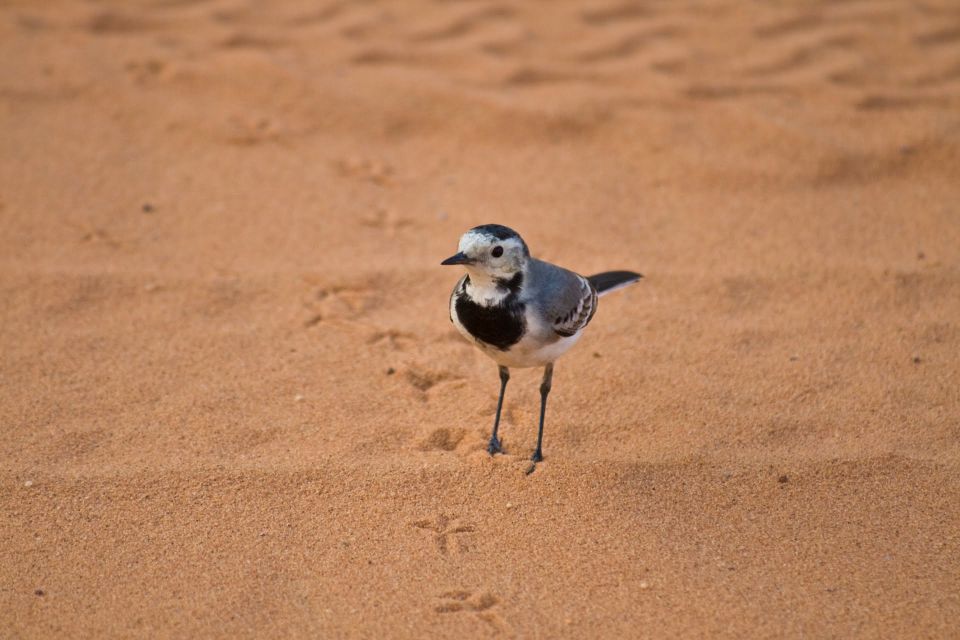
{"x": 497, "y": 251}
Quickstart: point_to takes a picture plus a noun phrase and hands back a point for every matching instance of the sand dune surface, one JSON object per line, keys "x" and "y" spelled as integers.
{"x": 234, "y": 406}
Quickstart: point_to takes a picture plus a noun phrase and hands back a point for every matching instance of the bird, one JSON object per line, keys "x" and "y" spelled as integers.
{"x": 521, "y": 311}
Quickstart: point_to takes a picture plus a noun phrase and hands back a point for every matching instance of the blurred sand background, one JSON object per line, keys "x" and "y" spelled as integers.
{"x": 232, "y": 402}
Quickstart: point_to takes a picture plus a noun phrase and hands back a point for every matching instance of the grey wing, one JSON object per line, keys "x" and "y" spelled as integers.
{"x": 567, "y": 300}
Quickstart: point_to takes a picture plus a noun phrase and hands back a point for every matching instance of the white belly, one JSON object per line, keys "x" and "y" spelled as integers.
{"x": 528, "y": 354}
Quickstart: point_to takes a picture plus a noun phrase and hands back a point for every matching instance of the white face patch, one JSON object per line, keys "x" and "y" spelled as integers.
{"x": 473, "y": 243}
{"x": 489, "y": 267}
{"x": 479, "y": 247}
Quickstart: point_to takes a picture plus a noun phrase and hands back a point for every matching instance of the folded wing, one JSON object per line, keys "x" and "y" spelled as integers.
{"x": 566, "y": 300}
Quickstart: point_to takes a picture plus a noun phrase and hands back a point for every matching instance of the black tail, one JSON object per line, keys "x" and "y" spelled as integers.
{"x": 612, "y": 280}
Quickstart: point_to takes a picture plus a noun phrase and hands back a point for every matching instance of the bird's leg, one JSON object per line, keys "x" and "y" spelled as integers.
{"x": 494, "y": 446}
{"x": 544, "y": 392}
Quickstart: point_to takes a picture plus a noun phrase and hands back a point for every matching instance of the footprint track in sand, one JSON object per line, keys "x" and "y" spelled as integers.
{"x": 448, "y": 533}
{"x": 87, "y": 295}
{"x": 387, "y": 221}
{"x": 225, "y": 297}
{"x": 376, "y": 171}
{"x": 393, "y": 339}
{"x": 338, "y": 302}
{"x": 514, "y": 417}
{"x": 100, "y": 237}
{"x": 482, "y": 605}
{"x": 254, "y": 129}
{"x": 423, "y": 380}
{"x": 914, "y": 289}
{"x": 251, "y": 130}
{"x": 745, "y": 294}
{"x": 443, "y": 439}
{"x": 935, "y": 334}
{"x": 148, "y": 70}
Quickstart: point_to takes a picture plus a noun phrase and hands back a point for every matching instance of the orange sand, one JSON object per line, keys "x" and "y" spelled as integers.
{"x": 222, "y": 222}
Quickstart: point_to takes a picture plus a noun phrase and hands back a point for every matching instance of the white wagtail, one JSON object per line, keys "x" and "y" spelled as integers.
{"x": 520, "y": 311}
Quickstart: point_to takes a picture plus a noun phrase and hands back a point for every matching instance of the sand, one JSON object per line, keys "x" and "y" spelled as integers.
{"x": 233, "y": 404}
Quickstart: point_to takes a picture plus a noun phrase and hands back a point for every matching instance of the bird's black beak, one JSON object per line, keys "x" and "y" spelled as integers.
{"x": 460, "y": 258}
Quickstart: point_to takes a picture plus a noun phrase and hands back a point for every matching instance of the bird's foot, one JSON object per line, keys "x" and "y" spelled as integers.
{"x": 534, "y": 459}
{"x": 494, "y": 446}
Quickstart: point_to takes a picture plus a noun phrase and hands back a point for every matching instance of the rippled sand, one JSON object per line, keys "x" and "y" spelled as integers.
{"x": 232, "y": 402}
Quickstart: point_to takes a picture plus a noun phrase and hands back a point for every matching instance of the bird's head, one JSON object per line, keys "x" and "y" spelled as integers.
{"x": 491, "y": 251}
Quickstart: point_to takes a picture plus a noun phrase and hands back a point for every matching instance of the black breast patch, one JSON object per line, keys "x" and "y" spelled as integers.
{"x": 500, "y": 325}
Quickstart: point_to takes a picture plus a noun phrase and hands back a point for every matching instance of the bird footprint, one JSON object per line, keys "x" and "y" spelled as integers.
{"x": 448, "y": 533}
{"x": 480, "y": 605}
